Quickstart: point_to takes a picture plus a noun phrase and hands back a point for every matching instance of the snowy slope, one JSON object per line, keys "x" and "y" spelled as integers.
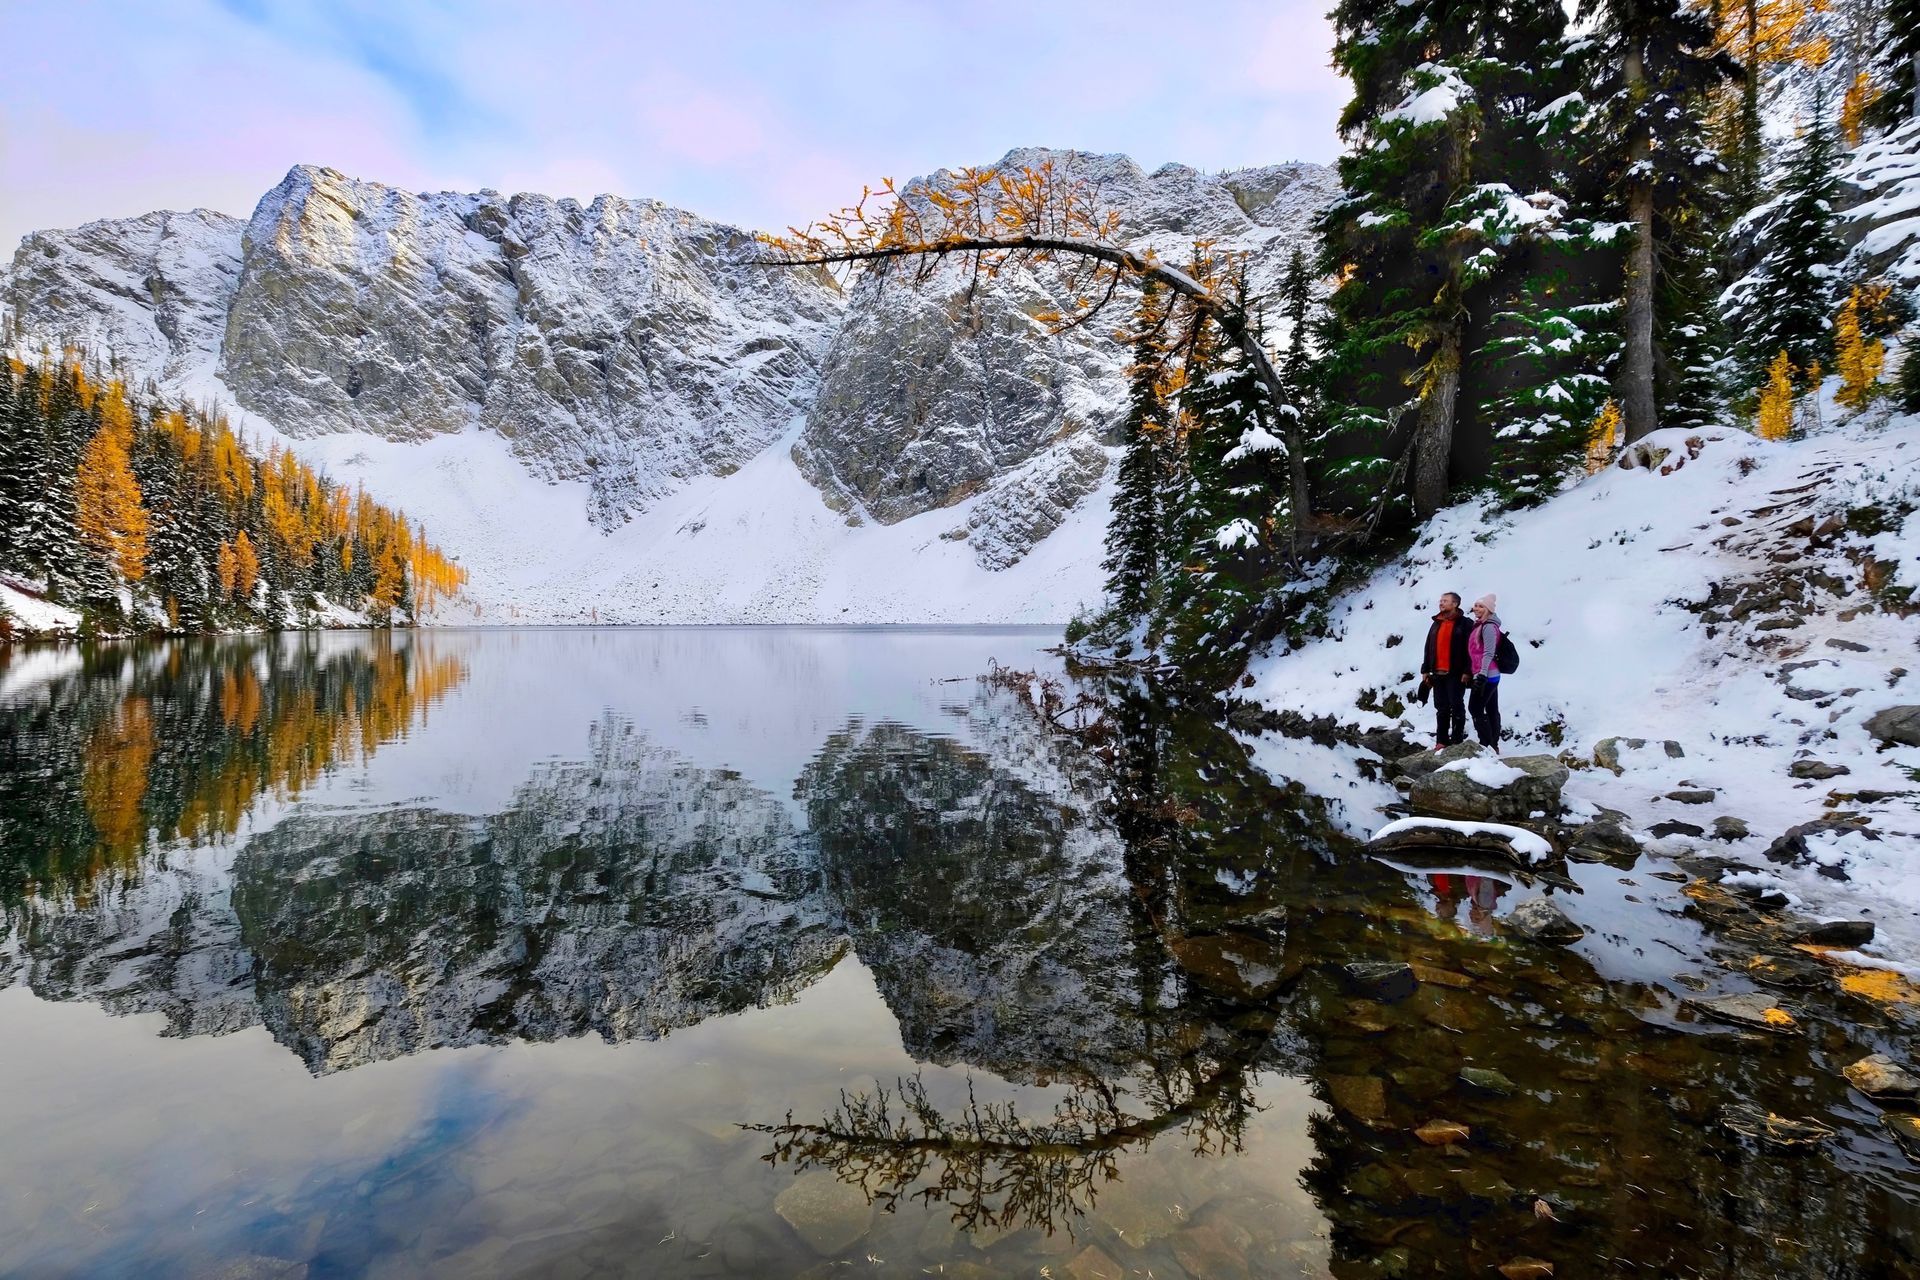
{"x": 757, "y": 546}
{"x": 1701, "y": 606}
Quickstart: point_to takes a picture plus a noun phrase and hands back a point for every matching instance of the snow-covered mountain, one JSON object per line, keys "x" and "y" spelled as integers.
{"x": 611, "y": 411}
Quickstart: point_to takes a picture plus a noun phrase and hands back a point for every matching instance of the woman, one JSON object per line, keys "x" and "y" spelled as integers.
{"x": 1483, "y": 645}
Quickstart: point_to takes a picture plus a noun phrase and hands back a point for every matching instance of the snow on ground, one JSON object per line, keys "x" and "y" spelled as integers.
{"x": 758, "y": 546}
{"x": 1601, "y": 589}
{"x": 24, "y": 601}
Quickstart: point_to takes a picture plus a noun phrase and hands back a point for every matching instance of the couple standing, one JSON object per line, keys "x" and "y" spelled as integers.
{"x": 1462, "y": 668}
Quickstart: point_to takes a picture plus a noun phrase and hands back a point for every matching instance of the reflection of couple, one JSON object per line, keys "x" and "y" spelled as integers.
{"x": 1480, "y": 893}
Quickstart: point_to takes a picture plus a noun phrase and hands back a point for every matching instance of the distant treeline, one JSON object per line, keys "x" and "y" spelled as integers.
{"x": 141, "y": 514}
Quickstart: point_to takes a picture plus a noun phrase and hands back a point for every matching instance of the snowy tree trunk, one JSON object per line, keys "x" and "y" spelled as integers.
{"x": 1433, "y": 438}
{"x": 1636, "y": 364}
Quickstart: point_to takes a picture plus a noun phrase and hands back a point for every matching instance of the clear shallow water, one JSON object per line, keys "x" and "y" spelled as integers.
{"x": 803, "y": 952}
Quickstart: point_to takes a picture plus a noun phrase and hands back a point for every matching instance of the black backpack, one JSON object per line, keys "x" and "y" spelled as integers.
{"x": 1506, "y": 656}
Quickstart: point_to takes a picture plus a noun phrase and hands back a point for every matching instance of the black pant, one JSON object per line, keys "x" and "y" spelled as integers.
{"x": 1449, "y": 708}
{"x": 1485, "y": 706}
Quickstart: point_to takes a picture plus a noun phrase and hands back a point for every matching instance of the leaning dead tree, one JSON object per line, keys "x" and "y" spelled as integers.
{"x": 991, "y": 218}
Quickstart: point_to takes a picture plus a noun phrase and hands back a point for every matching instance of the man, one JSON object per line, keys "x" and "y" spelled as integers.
{"x": 1446, "y": 671}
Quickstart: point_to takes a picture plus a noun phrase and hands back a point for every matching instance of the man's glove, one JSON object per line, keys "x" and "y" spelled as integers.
{"x": 1421, "y": 694}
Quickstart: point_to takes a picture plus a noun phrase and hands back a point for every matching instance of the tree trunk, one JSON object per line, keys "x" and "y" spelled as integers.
{"x": 1636, "y": 363}
{"x": 1749, "y": 157}
{"x": 1433, "y": 437}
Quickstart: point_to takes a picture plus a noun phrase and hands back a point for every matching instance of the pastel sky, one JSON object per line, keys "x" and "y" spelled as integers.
{"x": 761, "y": 114}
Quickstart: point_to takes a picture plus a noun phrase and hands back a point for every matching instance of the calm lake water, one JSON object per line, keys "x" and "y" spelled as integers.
{"x": 769, "y": 952}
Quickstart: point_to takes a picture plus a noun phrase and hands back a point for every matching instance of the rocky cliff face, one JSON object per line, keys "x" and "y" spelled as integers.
{"x": 935, "y": 392}
{"x": 636, "y": 347}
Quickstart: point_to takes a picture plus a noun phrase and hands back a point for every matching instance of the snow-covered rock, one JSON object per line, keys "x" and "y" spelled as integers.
{"x": 556, "y": 374}
{"x": 1881, "y": 221}
{"x": 932, "y": 392}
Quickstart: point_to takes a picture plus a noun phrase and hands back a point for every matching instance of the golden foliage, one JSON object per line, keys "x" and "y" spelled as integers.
{"x": 1854, "y": 105}
{"x": 109, "y": 514}
{"x": 1859, "y": 358}
{"x": 1772, "y": 33}
{"x": 1601, "y": 435}
{"x": 990, "y": 218}
{"x": 1776, "y": 400}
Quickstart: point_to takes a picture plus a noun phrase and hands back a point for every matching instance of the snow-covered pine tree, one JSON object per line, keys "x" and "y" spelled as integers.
{"x": 1653, "y": 65}
{"x": 65, "y": 423}
{"x": 1896, "y": 64}
{"x": 1549, "y": 329}
{"x": 1226, "y": 540}
{"x": 1786, "y": 301}
{"x": 12, "y": 461}
{"x": 1439, "y": 93}
{"x": 1133, "y": 554}
{"x": 1302, "y": 383}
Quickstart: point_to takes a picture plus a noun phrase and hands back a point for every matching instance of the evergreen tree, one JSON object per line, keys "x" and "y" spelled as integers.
{"x": 1653, "y": 65}
{"x": 1444, "y": 98}
{"x": 1786, "y": 302}
{"x": 13, "y": 463}
{"x": 1235, "y": 511}
{"x": 1897, "y": 63}
{"x": 1298, "y": 375}
{"x": 1133, "y": 556}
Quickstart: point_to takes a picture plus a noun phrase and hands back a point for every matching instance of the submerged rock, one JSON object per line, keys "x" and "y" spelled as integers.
{"x": 1749, "y": 1009}
{"x": 1487, "y": 1079}
{"x": 829, "y": 1214}
{"x": 1240, "y": 967}
{"x": 1440, "y": 1133}
{"x": 1362, "y": 1097}
{"x": 1883, "y": 1079}
{"x": 1543, "y": 921}
{"x": 1906, "y": 1132}
{"x": 1095, "y": 1263}
{"x": 1604, "y": 840}
{"x": 1778, "y": 1131}
{"x": 1383, "y": 979}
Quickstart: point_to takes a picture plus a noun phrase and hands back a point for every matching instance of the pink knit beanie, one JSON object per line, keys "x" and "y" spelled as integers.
{"x": 1487, "y": 600}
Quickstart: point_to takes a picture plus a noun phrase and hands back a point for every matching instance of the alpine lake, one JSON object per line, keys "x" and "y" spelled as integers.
{"x": 809, "y": 952}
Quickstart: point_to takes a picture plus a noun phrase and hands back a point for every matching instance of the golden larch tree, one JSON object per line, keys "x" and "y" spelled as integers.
{"x": 1601, "y": 435}
{"x": 1858, "y": 357}
{"x": 246, "y": 566}
{"x": 1776, "y": 400}
{"x": 109, "y": 514}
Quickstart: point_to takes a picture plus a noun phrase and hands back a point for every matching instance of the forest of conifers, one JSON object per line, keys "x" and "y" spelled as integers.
{"x": 143, "y": 515}
{"x": 1559, "y": 233}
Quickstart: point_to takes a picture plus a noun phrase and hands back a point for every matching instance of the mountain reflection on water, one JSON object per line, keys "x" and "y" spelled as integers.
{"x": 833, "y": 955}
